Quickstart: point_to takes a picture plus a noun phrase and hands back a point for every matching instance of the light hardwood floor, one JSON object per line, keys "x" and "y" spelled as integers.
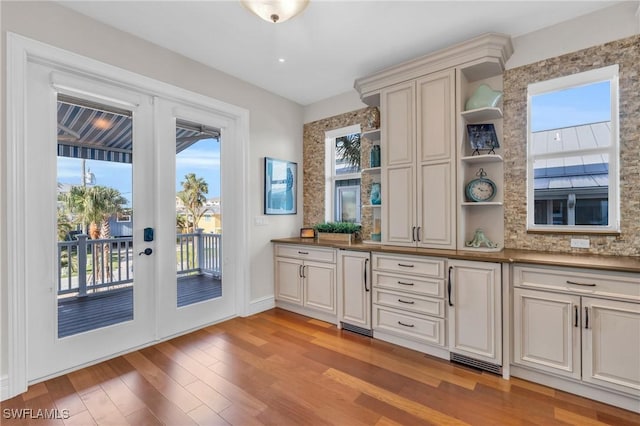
{"x": 279, "y": 368}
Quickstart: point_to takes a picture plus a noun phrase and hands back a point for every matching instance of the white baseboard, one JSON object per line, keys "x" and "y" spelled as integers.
{"x": 260, "y": 305}
{"x": 4, "y": 387}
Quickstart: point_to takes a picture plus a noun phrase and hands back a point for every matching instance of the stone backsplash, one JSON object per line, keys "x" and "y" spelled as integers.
{"x": 625, "y": 53}
{"x": 313, "y": 165}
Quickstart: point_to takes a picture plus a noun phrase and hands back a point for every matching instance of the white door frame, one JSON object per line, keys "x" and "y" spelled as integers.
{"x": 20, "y": 51}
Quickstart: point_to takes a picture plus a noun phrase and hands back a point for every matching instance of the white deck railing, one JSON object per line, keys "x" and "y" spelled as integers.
{"x": 86, "y": 266}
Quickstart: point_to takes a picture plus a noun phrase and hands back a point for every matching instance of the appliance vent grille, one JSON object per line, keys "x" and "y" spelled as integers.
{"x": 356, "y": 329}
{"x": 482, "y": 365}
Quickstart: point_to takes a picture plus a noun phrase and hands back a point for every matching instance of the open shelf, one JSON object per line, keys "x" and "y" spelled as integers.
{"x": 372, "y": 135}
{"x": 482, "y": 158}
{"x": 373, "y": 206}
{"x": 485, "y": 249}
{"x": 481, "y": 203}
{"x": 482, "y": 114}
{"x": 371, "y": 170}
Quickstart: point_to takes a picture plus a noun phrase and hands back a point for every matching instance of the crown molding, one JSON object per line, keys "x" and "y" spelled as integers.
{"x": 478, "y": 58}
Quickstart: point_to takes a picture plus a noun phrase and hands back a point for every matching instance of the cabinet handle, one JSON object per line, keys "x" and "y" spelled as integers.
{"x": 418, "y": 233}
{"x": 413, "y": 233}
{"x": 582, "y": 284}
{"x": 586, "y": 317}
{"x": 449, "y": 286}
{"x": 405, "y": 325}
{"x": 303, "y": 252}
{"x": 403, "y": 283}
{"x": 575, "y": 309}
{"x": 408, "y": 302}
{"x": 304, "y": 275}
{"x": 366, "y": 261}
{"x": 404, "y": 265}
{"x": 300, "y": 271}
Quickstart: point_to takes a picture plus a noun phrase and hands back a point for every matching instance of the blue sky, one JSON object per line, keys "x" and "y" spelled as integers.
{"x": 571, "y": 107}
{"x": 201, "y": 158}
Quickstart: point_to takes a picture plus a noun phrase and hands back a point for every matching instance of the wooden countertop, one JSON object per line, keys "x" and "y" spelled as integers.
{"x": 590, "y": 261}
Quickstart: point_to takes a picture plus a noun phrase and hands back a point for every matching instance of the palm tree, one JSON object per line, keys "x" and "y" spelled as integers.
{"x": 348, "y": 149}
{"x": 95, "y": 205}
{"x": 193, "y": 196}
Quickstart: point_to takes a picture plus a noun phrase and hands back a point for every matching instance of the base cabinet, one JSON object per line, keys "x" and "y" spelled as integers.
{"x": 305, "y": 277}
{"x": 475, "y": 310}
{"x": 559, "y": 327}
{"x": 354, "y": 288}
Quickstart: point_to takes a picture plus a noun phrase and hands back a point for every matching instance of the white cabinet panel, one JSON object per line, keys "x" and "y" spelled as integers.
{"x": 475, "y": 310}
{"x": 436, "y": 116}
{"x": 398, "y": 221}
{"x": 436, "y": 206}
{"x": 611, "y": 344}
{"x": 398, "y": 124}
{"x": 354, "y": 284}
{"x": 320, "y": 286}
{"x": 415, "y": 327}
{"x": 545, "y": 328}
{"x": 289, "y": 280}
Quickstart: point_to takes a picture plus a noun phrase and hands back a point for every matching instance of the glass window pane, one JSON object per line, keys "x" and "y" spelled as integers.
{"x": 347, "y": 151}
{"x": 94, "y": 217}
{"x": 198, "y": 214}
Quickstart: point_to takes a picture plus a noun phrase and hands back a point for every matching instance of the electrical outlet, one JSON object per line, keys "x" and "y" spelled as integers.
{"x": 261, "y": 221}
{"x": 580, "y": 243}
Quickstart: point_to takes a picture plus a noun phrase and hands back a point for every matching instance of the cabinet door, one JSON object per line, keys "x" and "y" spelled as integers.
{"x": 289, "y": 280}
{"x": 397, "y": 121}
{"x": 611, "y": 344}
{"x": 436, "y": 117}
{"x": 546, "y": 331}
{"x": 319, "y": 285}
{"x": 436, "y": 206}
{"x": 475, "y": 314}
{"x": 354, "y": 288}
{"x": 399, "y": 208}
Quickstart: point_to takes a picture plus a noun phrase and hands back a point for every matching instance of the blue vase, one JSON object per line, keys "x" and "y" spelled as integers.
{"x": 374, "y": 156}
{"x": 375, "y": 194}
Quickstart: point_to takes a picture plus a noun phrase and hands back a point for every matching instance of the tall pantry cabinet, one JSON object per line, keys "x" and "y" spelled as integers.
{"x": 418, "y": 134}
{"x": 423, "y": 144}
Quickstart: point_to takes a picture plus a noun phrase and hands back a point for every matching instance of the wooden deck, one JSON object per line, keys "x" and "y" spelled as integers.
{"x": 77, "y": 315}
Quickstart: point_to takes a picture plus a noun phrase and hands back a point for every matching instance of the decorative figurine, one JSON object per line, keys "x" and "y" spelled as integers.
{"x": 479, "y": 239}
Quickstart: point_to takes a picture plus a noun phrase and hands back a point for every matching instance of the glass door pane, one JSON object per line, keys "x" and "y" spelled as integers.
{"x": 198, "y": 214}
{"x": 94, "y": 215}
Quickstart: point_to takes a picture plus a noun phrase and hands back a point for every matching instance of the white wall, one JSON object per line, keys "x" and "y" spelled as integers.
{"x": 276, "y": 123}
{"x": 613, "y": 23}
{"x": 339, "y": 104}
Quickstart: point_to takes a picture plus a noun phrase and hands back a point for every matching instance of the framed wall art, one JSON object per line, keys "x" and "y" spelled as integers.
{"x": 280, "y": 186}
{"x": 482, "y": 137}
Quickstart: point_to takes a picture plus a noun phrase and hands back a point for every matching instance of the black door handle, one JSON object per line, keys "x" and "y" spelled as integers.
{"x": 449, "y": 286}
{"x": 146, "y": 251}
{"x": 366, "y": 262}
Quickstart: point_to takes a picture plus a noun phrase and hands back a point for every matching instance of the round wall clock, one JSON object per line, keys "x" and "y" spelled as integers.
{"x": 481, "y": 189}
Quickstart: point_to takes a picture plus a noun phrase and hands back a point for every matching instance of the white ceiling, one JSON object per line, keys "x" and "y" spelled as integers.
{"x": 331, "y": 43}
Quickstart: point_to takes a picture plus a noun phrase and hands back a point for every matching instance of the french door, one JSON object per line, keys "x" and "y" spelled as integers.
{"x": 106, "y": 263}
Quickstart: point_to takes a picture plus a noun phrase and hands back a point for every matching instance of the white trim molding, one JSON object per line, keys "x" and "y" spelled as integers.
{"x": 22, "y": 51}
{"x": 260, "y": 305}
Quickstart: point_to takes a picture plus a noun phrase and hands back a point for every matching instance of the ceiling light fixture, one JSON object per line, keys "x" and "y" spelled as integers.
{"x": 275, "y": 10}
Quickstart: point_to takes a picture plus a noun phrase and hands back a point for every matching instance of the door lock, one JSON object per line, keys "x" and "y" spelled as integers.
{"x": 146, "y": 251}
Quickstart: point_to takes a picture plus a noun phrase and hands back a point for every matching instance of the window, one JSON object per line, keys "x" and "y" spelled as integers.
{"x": 342, "y": 175}
{"x": 573, "y": 152}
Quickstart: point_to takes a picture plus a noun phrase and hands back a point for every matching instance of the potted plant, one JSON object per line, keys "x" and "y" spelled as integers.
{"x": 338, "y": 231}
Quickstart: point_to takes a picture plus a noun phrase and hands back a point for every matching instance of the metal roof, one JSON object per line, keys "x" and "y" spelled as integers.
{"x": 572, "y": 171}
{"x": 92, "y": 131}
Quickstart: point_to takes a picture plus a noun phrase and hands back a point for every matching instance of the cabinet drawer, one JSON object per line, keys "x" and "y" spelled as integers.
{"x": 579, "y": 281}
{"x": 411, "y": 326}
{"x": 415, "y": 265}
{"x": 427, "y": 287}
{"x": 404, "y": 301}
{"x": 306, "y": 253}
